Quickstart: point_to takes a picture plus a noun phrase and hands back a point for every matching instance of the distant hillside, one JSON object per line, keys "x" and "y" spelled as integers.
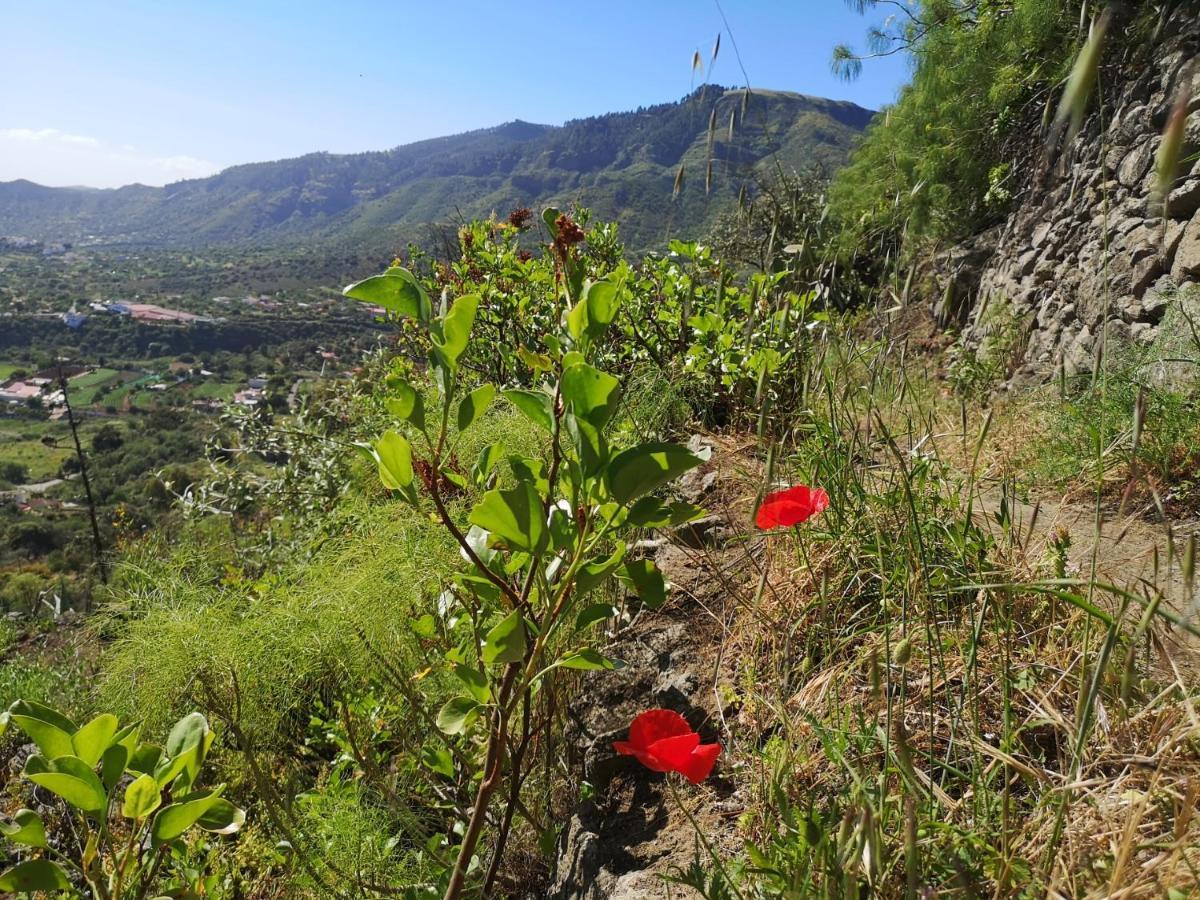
{"x": 623, "y": 165}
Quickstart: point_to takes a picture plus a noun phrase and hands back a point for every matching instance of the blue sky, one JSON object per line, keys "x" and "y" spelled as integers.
{"x": 131, "y": 90}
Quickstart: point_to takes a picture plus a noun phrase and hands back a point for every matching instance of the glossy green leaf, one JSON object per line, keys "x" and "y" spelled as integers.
{"x": 474, "y": 405}
{"x": 639, "y": 470}
{"x": 592, "y": 315}
{"x": 170, "y": 767}
{"x": 536, "y": 406}
{"x": 589, "y": 659}
{"x": 26, "y": 828}
{"x": 456, "y": 478}
{"x": 590, "y": 394}
{"x": 142, "y": 797}
{"x": 526, "y": 468}
{"x": 458, "y": 715}
{"x": 145, "y": 758}
{"x": 590, "y": 397}
{"x": 597, "y": 612}
{"x": 652, "y": 512}
{"x": 514, "y": 516}
{"x": 112, "y": 765}
{"x": 408, "y": 404}
{"x": 222, "y": 818}
{"x": 438, "y": 759}
{"x": 396, "y": 290}
{"x": 475, "y": 682}
{"x": 34, "y": 875}
{"x": 594, "y": 572}
{"x": 505, "y": 642}
{"x": 70, "y": 778}
{"x": 94, "y": 738}
{"x": 489, "y": 458}
{"x": 537, "y": 362}
{"x": 50, "y": 730}
{"x": 188, "y": 732}
{"x": 562, "y": 526}
{"x": 646, "y": 580}
{"x": 456, "y": 328}
{"x": 176, "y": 818}
{"x": 128, "y": 736}
{"x": 577, "y": 319}
{"x": 395, "y": 460}
{"x": 549, "y": 216}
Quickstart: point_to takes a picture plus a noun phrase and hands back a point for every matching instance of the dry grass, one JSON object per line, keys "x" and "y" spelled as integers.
{"x": 918, "y": 711}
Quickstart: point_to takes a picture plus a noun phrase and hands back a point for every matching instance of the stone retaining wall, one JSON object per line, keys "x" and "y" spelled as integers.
{"x": 1085, "y": 247}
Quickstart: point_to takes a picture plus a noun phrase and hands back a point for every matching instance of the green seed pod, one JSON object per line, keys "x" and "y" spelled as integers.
{"x": 903, "y": 652}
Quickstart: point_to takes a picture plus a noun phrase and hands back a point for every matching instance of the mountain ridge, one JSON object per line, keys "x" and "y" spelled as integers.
{"x": 622, "y": 164}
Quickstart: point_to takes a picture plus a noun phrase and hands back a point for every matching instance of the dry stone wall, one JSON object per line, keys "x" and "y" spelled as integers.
{"x": 1087, "y": 251}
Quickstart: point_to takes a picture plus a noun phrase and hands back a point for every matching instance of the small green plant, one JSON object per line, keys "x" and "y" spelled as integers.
{"x": 541, "y": 540}
{"x": 126, "y": 803}
{"x": 975, "y": 370}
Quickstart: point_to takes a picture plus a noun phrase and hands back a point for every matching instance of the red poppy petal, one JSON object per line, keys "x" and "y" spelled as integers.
{"x": 652, "y": 762}
{"x": 783, "y": 512}
{"x": 673, "y": 752}
{"x": 766, "y": 517}
{"x": 700, "y": 762}
{"x": 654, "y": 725}
{"x": 790, "y": 507}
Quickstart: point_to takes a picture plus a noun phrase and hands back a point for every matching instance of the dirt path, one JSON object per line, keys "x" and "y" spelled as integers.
{"x": 1128, "y": 552}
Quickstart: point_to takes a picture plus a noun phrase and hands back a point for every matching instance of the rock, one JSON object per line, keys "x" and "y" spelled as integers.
{"x": 1185, "y": 265}
{"x": 693, "y": 486}
{"x": 1152, "y": 306}
{"x": 1026, "y": 263}
{"x": 1127, "y": 128}
{"x": 1142, "y": 333}
{"x": 710, "y": 531}
{"x": 1077, "y": 357}
{"x": 1136, "y": 164}
{"x": 1145, "y": 273}
{"x": 1184, "y": 201}
{"x": 1174, "y": 234}
{"x": 1191, "y": 136}
{"x": 1125, "y": 226}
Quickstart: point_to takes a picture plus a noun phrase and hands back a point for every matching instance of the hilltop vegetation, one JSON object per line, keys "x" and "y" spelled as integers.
{"x": 622, "y": 165}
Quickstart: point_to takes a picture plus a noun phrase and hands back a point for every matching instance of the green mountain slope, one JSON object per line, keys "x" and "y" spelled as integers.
{"x": 623, "y": 165}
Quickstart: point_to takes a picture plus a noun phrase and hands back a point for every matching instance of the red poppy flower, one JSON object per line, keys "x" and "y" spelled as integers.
{"x": 791, "y": 507}
{"x": 664, "y": 742}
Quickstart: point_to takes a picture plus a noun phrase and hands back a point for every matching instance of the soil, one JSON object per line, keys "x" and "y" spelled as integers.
{"x": 1130, "y": 552}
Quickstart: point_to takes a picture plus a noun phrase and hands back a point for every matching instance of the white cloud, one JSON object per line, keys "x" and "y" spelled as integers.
{"x": 46, "y": 134}
{"x": 54, "y": 157}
